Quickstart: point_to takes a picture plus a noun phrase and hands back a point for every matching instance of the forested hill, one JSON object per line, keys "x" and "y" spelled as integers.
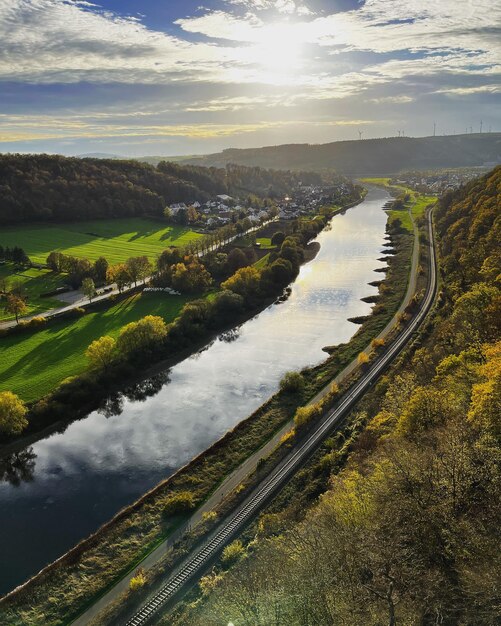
{"x": 407, "y": 531}
{"x": 370, "y": 157}
{"x": 45, "y": 187}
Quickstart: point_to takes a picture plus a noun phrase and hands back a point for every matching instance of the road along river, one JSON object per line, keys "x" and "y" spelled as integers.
{"x": 65, "y": 486}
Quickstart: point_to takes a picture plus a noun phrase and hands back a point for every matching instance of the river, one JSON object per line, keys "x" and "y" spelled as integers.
{"x": 65, "y": 486}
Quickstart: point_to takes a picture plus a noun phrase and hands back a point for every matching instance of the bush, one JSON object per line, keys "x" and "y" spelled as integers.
{"x": 292, "y": 382}
{"x": 37, "y": 322}
{"x": 138, "y": 580}
{"x": 305, "y": 414}
{"x": 363, "y": 359}
{"x": 233, "y": 552}
{"x": 179, "y": 503}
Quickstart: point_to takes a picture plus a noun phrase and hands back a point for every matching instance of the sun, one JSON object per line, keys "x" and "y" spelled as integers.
{"x": 276, "y": 53}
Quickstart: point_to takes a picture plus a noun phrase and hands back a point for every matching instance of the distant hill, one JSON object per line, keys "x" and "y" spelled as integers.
{"x": 45, "y": 187}
{"x": 371, "y": 157}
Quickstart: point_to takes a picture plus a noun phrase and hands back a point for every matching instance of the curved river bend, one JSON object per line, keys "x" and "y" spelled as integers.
{"x": 73, "y": 482}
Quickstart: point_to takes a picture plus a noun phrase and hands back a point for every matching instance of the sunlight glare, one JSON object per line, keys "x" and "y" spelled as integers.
{"x": 277, "y": 53}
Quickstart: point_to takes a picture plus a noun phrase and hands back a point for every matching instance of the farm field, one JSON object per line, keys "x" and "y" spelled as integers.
{"x": 116, "y": 239}
{"x": 33, "y": 364}
{"x": 34, "y": 282}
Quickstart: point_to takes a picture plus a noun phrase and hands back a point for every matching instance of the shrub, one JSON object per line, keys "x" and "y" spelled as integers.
{"x": 179, "y": 503}
{"x": 38, "y": 321}
{"x": 292, "y": 382}
{"x": 288, "y": 437}
{"x": 138, "y": 580}
{"x": 363, "y": 359}
{"x": 233, "y": 552}
{"x": 305, "y": 414}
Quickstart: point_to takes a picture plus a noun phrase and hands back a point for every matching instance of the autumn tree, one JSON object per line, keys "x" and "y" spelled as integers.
{"x": 138, "y": 268}
{"x": 190, "y": 276}
{"x": 101, "y": 352}
{"x": 141, "y": 334}
{"x": 246, "y": 282}
{"x": 12, "y": 414}
{"x": 14, "y": 305}
{"x": 118, "y": 274}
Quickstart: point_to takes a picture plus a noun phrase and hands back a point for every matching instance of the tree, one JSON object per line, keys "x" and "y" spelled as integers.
{"x": 169, "y": 256}
{"x": 245, "y": 281}
{"x": 15, "y": 306}
{"x": 77, "y": 269}
{"x": 99, "y": 269}
{"x": 55, "y": 261}
{"x": 278, "y": 238}
{"x": 118, "y": 274}
{"x": 88, "y": 288}
{"x": 12, "y": 414}
{"x": 192, "y": 214}
{"x": 138, "y": 268}
{"x": 236, "y": 260}
{"x": 142, "y": 334}
{"x": 101, "y": 352}
{"x": 292, "y": 382}
{"x": 191, "y": 276}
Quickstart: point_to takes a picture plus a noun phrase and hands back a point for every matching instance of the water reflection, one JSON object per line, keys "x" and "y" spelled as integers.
{"x": 85, "y": 474}
{"x": 18, "y": 467}
{"x": 137, "y": 392}
{"x": 230, "y": 335}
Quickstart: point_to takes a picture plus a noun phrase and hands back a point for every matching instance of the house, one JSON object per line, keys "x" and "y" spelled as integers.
{"x": 224, "y": 198}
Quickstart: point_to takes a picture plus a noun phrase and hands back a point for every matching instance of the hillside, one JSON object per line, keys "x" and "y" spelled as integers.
{"x": 43, "y": 187}
{"x": 370, "y": 157}
{"x": 407, "y": 528}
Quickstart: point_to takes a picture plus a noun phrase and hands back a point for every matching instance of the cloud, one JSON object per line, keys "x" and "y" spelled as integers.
{"x": 242, "y": 66}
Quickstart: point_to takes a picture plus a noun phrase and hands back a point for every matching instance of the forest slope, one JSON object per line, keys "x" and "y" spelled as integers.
{"x": 371, "y": 157}
{"x": 41, "y": 187}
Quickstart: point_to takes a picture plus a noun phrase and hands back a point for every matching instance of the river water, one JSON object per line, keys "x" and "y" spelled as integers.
{"x": 65, "y": 486}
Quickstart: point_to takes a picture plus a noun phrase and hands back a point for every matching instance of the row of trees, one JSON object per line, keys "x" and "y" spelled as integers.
{"x": 16, "y": 254}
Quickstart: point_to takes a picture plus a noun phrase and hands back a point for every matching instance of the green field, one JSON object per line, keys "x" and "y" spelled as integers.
{"x": 117, "y": 240}
{"x": 34, "y": 282}
{"x": 417, "y": 203}
{"x": 33, "y": 364}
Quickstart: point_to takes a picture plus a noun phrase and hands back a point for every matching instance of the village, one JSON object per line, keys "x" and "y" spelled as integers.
{"x": 438, "y": 181}
{"x": 224, "y": 209}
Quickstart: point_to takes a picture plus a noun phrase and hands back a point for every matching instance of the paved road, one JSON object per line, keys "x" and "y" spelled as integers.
{"x": 194, "y": 566}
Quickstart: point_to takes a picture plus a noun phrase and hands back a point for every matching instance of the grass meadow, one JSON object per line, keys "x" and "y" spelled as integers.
{"x": 33, "y": 364}
{"x": 115, "y": 239}
{"x": 34, "y": 282}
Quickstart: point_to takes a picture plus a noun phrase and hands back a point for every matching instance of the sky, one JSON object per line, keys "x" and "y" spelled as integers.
{"x": 173, "y": 77}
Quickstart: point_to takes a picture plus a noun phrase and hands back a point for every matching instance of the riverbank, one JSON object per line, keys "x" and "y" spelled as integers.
{"x": 198, "y": 476}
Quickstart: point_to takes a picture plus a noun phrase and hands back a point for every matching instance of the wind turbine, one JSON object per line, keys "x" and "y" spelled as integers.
{"x": 360, "y": 133}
